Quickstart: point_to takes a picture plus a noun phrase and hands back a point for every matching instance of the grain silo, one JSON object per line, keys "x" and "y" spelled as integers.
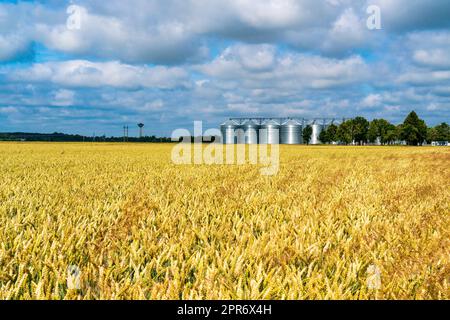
{"x": 291, "y": 132}
{"x": 316, "y": 130}
{"x": 229, "y": 131}
{"x": 269, "y": 132}
{"x": 250, "y": 130}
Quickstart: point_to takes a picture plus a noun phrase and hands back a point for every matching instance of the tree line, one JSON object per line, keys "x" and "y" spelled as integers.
{"x": 62, "y": 137}
{"x": 359, "y": 130}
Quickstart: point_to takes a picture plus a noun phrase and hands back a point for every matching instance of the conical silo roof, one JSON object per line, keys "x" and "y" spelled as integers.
{"x": 271, "y": 122}
{"x": 230, "y": 123}
{"x": 292, "y": 122}
{"x": 250, "y": 123}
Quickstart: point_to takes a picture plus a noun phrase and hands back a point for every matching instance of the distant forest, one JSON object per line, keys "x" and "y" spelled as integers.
{"x": 62, "y": 137}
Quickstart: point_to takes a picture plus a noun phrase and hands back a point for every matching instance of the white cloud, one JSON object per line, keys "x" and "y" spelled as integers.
{"x": 430, "y": 49}
{"x": 156, "y": 105}
{"x": 115, "y": 37}
{"x": 12, "y": 46}
{"x": 424, "y": 77}
{"x": 371, "y": 100}
{"x": 82, "y": 73}
{"x": 243, "y": 108}
{"x": 256, "y": 58}
{"x": 289, "y": 70}
{"x": 435, "y": 58}
{"x": 348, "y": 31}
{"x": 177, "y": 31}
{"x": 268, "y": 13}
{"x": 63, "y": 98}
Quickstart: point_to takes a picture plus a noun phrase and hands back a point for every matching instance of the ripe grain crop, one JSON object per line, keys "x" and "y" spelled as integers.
{"x": 137, "y": 226}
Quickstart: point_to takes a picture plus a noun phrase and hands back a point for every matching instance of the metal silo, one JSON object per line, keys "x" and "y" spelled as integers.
{"x": 251, "y": 129}
{"x": 291, "y": 132}
{"x": 269, "y": 132}
{"x": 316, "y": 130}
{"x": 240, "y": 134}
{"x": 229, "y": 134}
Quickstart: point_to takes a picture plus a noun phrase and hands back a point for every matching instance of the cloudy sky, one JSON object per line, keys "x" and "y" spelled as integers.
{"x": 83, "y": 66}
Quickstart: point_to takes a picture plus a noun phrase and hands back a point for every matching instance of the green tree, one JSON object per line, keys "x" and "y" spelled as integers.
{"x": 345, "y": 132}
{"x": 379, "y": 128}
{"x": 360, "y": 129}
{"x": 332, "y": 133}
{"x": 439, "y": 133}
{"x": 413, "y": 130}
{"x": 329, "y": 134}
{"x": 392, "y": 134}
{"x": 323, "y": 136}
{"x": 442, "y": 132}
{"x": 307, "y": 133}
{"x": 432, "y": 135}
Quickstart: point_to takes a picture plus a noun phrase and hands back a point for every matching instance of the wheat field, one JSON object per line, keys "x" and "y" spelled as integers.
{"x": 136, "y": 226}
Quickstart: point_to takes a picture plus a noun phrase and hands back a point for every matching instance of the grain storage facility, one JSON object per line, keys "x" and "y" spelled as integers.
{"x": 291, "y": 132}
{"x": 251, "y": 130}
{"x": 269, "y": 132}
{"x": 228, "y": 129}
{"x": 316, "y": 130}
{"x": 272, "y": 130}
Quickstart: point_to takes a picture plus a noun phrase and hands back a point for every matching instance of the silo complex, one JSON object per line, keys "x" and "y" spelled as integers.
{"x": 251, "y": 129}
{"x": 269, "y": 132}
{"x": 291, "y": 132}
{"x": 273, "y": 130}
{"x": 229, "y": 131}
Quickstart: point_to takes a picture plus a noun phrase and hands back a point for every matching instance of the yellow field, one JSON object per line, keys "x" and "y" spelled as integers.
{"x": 139, "y": 227}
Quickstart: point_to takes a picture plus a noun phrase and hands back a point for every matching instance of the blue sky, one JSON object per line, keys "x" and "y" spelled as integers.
{"x": 168, "y": 63}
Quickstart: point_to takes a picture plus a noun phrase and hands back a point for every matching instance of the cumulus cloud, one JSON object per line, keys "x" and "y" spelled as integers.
{"x": 177, "y": 31}
{"x": 288, "y": 70}
{"x": 15, "y": 31}
{"x": 108, "y": 37}
{"x": 13, "y": 47}
{"x": 437, "y": 58}
{"x": 83, "y": 73}
{"x": 156, "y": 105}
{"x": 425, "y": 77}
{"x": 170, "y": 62}
{"x": 430, "y": 48}
{"x": 348, "y": 32}
{"x": 372, "y": 100}
{"x": 63, "y": 97}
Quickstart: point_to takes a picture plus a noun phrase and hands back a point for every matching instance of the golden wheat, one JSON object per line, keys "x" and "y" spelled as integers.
{"x": 139, "y": 227}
